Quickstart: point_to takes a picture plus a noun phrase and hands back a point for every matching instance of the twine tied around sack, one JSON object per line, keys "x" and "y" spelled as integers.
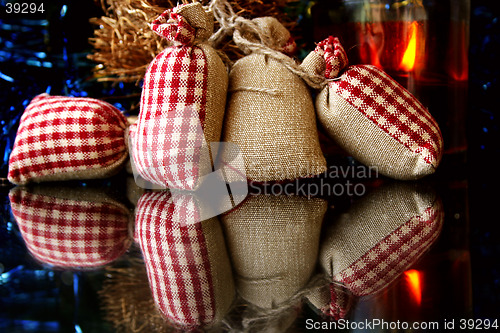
{"x": 241, "y": 28}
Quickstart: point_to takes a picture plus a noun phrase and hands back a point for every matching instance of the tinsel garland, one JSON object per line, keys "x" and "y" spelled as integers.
{"x": 124, "y": 44}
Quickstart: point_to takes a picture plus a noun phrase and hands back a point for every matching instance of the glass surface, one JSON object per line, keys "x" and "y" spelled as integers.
{"x": 108, "y": 256}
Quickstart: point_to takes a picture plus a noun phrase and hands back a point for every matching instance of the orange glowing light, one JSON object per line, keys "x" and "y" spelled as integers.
{"x": 414, "y": 281}
{"x": 410, "y": 55}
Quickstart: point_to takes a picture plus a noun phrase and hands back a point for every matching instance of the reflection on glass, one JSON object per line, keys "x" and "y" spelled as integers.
{"x": 273, "y": 243}
{"x": 186, "y": 260}
{"x": 71, "y": 227}
{"x": 375, "y": 242}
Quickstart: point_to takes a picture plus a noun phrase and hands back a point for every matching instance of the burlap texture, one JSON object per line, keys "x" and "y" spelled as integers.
{"x": 270, "y": 116}
{"x": 371, "y": 219}
{"x": 202, "y": 21}
{"x": 270, "y": 113}
{"x": 372, "y": 117}
{"x": 273, "y": 243}
{"x": 351, "y": 130}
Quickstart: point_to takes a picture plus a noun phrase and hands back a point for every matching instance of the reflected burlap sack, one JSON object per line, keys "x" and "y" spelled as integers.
{"x": 270, "y": 113}
{"x": 380, "y": 236}
{"x": 372, "y": 117}
{"x": 273, "y": 243}
{"x": 188, "y": 265}
{"x": 182, "y": 103}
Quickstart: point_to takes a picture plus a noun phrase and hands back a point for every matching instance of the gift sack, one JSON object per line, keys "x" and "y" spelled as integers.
{"x": 62, "y": 138}
{"x": 71, "y": 227}
{"x": 372, "y": 117}
{"x": 182, "y": 103}
{"x": 381, "y": 236}
{"x": 273, "y": 243}
{"x": 188, "y": 265}
{"x": 270, "y": 112}
{"x": 370, "y": 245}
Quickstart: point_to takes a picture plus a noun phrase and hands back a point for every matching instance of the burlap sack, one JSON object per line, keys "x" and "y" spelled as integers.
{"x": 71, "y": 227}
{"x": 64, "y": 138}
{"x": 273, "y": 243}
{"x": 187, "y": 263}
{"x": 380, "y": 236}
{"x": 183, "y": 101}
{"x": 372, "y": 117}
{"x": 270, "y": 112}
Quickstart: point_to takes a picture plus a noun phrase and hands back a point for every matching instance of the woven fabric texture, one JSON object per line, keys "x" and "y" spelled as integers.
{"x": 77, "y": 231}
{"x": 270, "y": 116}
{"x": 373, "y": 117}
{"x": 273, "y": 243}
{"x": 62, "y": 138}
{"x": 182, "y": 103}
{"x": 382, "y": 235}
{"x": 188, "y": 266}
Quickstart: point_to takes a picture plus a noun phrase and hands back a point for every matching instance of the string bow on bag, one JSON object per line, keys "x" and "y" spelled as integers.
{"x": 372, "y": 117}
{"x": 65, "y": 138}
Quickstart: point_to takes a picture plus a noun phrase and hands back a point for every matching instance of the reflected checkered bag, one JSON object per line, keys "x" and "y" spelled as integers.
{"x": 68, "y": 227}
{"x": 372, "y": 117}
{"x": 380, "y": 237}
{"x": 182, "y": 102}
{"x": 187, "y": 263}
{"x": 62, "y": 138}
{"x": 371, "y": 245}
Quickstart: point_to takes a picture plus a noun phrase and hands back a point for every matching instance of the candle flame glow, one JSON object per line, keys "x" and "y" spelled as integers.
{"x": 413, "y": 278}
{"x": 409, "y": 57}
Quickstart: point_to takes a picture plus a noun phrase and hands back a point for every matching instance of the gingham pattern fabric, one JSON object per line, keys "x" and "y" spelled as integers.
{"x": 334, "y": 54}
{"x": 70, "y": 233}
{"x": 71, "y": 136}
{"x": 384, "y": 101}
{"x": 383, "y": 263}
{"x": 176, "y": 258}
{"x": 169, "y": 134}
{"x": 290, "y": 47}
{"x": 341, "y": 301}
{"x": 173, "y": 27}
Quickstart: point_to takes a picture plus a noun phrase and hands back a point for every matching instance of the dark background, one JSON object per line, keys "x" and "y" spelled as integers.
{"x": 50, "y": 55}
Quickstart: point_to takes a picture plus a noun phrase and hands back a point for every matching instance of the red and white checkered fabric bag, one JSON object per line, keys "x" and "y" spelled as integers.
{"x": 386, "y": 261}
{"x": 374, "y": 118}
{"x": 61, "y": 138}
{"x": 398, "y": 225}
{"x": 71, "y": 232}
{"x": 187, "y": 264}
{"x": 182, "y": 103}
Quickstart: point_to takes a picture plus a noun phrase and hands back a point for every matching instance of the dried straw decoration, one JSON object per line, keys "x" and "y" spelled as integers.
{"x": 124, "y": 45}
{"x": 127, "y": 301}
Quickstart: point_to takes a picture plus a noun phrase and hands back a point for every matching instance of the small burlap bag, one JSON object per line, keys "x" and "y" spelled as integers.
{"x": 182, "y": 103}
{"x": 71, "y": 227}
{"x": 270, "y": 113}
{"x": 188, "y": 265}
{"x": 273, "y": 243}
{"x": 373, "y": 243}
{"x": 372, "y": 117}
{"x": 380, "y": 236}
{"x": 65, "y": 138}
